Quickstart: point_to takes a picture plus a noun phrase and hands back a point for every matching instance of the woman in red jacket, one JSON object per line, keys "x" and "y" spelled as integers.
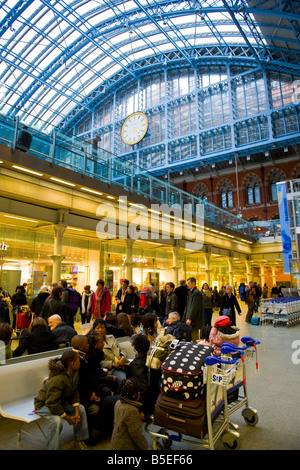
{"x": 101, "y": 302}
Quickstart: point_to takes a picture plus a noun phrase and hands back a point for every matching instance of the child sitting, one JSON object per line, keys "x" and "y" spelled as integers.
{"x": 204, "y": 335}
{"x": 128, "y": 432}
{"x": 223, "y": 332}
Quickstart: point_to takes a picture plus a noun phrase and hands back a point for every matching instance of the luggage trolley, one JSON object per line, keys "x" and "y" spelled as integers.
{"x": 218, "y": 373}
{"x": 267, "y": 312}
{"x": 237, "y": 396}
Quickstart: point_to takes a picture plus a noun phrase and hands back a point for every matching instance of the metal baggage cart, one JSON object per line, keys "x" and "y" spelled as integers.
{"x": 267, "y": 312}
{"x": 218, "y": 373}
{"x": 237, "y": 395}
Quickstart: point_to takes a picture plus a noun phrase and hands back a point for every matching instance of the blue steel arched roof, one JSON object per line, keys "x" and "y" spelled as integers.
{"x": 57, "y": 56}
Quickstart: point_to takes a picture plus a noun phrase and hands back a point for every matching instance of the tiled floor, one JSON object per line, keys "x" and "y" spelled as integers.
{"x": 273, "y": 390}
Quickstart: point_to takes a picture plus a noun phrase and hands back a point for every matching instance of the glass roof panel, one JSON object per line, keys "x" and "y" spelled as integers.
{"x": 56, "y": 53}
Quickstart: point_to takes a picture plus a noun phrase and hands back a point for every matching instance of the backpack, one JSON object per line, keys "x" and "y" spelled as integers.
{"x": 183, "y": 332}
{"x": 145, "y": 299}
{"x": 74, "y": 299}
{"x": 242, "y": 292}
{"x": 158, "y": 351}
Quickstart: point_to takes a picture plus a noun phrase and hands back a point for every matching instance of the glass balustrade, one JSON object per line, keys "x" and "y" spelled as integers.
{"x": 80, "y": 156}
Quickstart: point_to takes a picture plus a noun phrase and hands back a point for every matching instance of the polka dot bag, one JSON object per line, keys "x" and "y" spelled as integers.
{"x": 182, "y": 371}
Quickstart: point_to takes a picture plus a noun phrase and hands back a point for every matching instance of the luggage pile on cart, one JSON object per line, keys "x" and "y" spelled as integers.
{"x": 199, "y": 392}
{"x": 282, "y": 311}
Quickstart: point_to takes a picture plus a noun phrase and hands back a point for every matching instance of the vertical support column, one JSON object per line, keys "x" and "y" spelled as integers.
{"x": 103, "y": 246}
{"x": 175, "y": 267}
{"x": 57, "y": 256}
{"x": 262, "y": 274}
{"x": 273, "y": 276}
{"x": 207, "y": 268}
{"x": 129, "y": 262}
{"x": 248, "y": 271}
{"x": 230, "y": 273}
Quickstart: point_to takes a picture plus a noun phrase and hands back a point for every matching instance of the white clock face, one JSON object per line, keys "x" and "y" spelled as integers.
{"x": 134, "y": 128}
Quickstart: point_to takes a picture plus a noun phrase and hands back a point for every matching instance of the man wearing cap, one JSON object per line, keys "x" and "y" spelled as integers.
{"x": 193, "y": 314}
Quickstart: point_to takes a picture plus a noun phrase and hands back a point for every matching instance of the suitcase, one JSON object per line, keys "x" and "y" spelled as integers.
{"x": 184, "y": 417}
{"x": 145, "y": 301}
{"x": 182, "y": 371}
{"x": 255, "y": 321}
{"x": 24, "y": 318}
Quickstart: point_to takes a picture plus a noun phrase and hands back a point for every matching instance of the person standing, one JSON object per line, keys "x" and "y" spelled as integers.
{"x": 207, "y": 301}
{"x": 86, "y": 304}
{"x": 251, "y": 293}
{"x": 265, "y": 291}
{"x": 17, "y": 300}
{"x": 38, "y": 302}
{"x": 101, "y": 302}
{"x": 182, "y": 292}
{"x": 120, "y": 296}
{"x": 229, "y": 305}
{"x": 54, "y": 305}
{"x": 193, "y": 314}
{"x": 172, "y": 301}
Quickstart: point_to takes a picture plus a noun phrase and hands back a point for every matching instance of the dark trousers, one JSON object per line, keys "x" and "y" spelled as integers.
{"x": 250, "y": 311}
{"x": 207, "y": 315}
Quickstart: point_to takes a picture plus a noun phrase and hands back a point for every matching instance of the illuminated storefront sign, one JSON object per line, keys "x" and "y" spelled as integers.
{"x": 136, "y": 259}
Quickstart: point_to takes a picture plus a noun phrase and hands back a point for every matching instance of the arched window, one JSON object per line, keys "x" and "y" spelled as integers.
{"x": 275, "y": 178}
{"x": 226, "y": 196}
{"x": 202, "y": 192}
{"x": 253, "y": 192}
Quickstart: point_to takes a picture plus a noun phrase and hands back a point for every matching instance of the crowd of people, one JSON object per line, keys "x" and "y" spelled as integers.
{"x": 92, "y": 386}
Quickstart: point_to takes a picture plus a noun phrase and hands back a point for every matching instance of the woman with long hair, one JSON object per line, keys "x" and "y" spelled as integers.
{"x": 150, "y": 325}
{"x": 124, "y": 322}
{"x": 37, "y": 339}
{"x": 207, "y": 301}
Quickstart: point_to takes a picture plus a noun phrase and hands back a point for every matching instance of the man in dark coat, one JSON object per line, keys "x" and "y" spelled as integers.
{"x": 193, "y": 314}
{"x": 62, "y": 331}
{"x": 54, "y": 305}
{"x": 38, "y": 302}
{"x": 182, "y": 293}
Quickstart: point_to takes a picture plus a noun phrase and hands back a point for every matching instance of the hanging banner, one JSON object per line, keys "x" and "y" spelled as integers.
{"x": 285, "y": 227}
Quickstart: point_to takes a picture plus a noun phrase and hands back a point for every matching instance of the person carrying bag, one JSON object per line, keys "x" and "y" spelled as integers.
{"x": 229, "y": 305}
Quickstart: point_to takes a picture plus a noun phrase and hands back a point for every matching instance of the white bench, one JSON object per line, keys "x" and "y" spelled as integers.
{"x": 20, "y": 381}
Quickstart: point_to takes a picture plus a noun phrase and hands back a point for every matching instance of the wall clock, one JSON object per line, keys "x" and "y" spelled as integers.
{"x": 134, "y": 128}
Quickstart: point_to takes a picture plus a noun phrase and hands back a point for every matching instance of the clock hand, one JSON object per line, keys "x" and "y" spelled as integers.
{"x": 136, "y": 131}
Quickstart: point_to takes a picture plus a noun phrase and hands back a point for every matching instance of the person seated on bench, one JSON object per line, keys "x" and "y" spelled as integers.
{"x": 123, "y": 320}
{"x": 62, "y": 331}
{"x": 112, "y": 327}
{"x": 6, "y": 332}
{"x": 114, "y": 359}
{"x": 176, "y": 328}
{"x": 58, "y": 400}
{"x": 95, "y": 387}
{"x": 139, "y": 371}
{"x": 37, "y": 338}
